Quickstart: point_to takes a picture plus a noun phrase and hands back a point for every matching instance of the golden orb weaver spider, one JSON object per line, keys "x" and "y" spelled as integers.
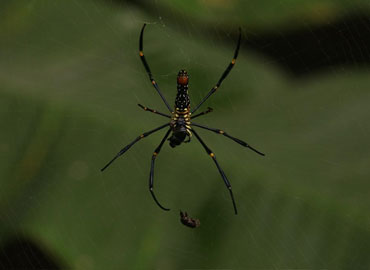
{"x": 181, "y": 117}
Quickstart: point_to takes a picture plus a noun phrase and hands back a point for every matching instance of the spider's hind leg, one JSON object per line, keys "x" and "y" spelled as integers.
{"x": 226, "y": 181}
{"x": 219, "y": 131}
{"x": 151, "y": 177}
{"x": 124, "y": 149}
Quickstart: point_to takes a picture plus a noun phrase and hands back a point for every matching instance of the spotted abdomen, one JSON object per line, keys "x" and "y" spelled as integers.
{"x": 182, "y": 101}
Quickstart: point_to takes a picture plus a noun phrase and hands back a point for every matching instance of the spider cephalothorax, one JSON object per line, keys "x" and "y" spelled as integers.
{"x": 180, "y": 124}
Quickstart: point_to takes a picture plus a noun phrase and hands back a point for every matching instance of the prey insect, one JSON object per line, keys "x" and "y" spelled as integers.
{"x": 188, "y": 221}
{"x": 181, "y": 125}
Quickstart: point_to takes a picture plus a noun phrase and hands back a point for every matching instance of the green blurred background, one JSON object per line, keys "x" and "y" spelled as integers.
{"x": 70, "y": 81}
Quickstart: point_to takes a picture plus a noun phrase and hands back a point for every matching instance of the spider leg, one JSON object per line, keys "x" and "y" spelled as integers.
{"x": 202, "y": 113}
{"x": 189, "y": 135}
{"x": 212, "y": 155}
{"x": 224, "y": 75}
{"x": 219, "y": 131}
{"x": 151, "y": 177}
{"x": 145, "y": 63}
{"x": 124, "y": 149}
{"x": 153, "y": 111}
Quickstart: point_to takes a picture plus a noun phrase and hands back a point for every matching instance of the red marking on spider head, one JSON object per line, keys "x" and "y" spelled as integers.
{"x": 182, "y": 77}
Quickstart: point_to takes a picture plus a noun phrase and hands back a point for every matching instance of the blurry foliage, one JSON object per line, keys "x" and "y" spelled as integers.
{"x": 262, "y": 15}
{"x": 70, "y": 81}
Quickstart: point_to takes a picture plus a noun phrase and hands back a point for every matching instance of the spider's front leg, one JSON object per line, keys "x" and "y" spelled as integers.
{"x": 224, "y": 75}
{"x": 148, "y": 71}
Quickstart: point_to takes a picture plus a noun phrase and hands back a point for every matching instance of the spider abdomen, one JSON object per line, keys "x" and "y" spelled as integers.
{"x": 182, "y": 101}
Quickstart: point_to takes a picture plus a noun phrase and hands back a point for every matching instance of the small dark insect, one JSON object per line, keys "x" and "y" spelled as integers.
{"x": 188, "y": 221}
{"x": 180, "y": 125}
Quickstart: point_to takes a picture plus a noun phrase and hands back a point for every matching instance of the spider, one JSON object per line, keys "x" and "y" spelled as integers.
{"x": 180, "y": 126}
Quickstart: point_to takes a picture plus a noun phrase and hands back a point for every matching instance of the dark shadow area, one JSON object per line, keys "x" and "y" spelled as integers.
{"x": 300, "y": 51}
{"x": 23, "y": 253}
{"x": 345, "y": 42}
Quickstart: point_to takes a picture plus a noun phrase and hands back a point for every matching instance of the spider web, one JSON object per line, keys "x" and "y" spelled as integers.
{"x": 71, "y": 81}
